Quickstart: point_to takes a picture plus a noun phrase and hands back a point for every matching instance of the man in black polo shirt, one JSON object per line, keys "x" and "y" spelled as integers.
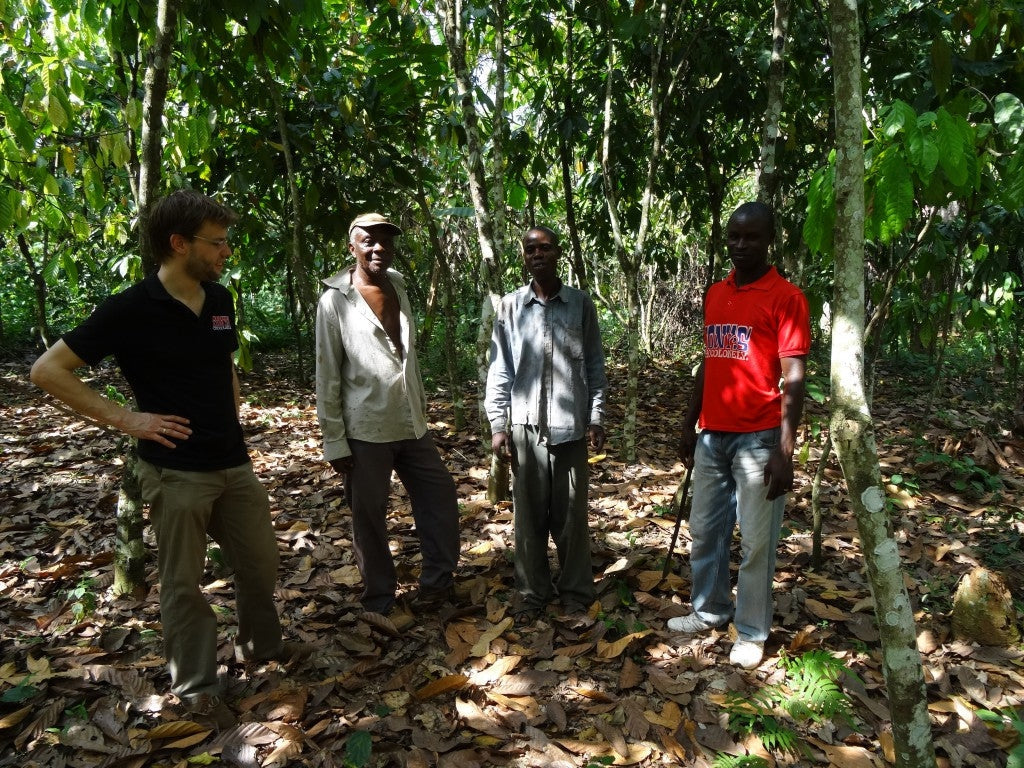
{"x": 173, "y": 335}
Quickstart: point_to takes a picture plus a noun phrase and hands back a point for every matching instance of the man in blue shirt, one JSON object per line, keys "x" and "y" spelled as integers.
{"x": 545, "y": 402}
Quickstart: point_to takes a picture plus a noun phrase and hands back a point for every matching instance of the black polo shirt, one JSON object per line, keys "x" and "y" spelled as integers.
{"x": 176, "y": 364}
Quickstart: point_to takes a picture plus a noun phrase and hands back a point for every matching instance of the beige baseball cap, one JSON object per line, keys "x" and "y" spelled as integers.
{"x": 367, "y": 220}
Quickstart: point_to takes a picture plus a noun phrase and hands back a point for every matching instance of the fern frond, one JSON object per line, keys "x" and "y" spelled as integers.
{"x": 778, "y": 738}
{"x": 813, "y": 678}
{"x": 723, "y": 760}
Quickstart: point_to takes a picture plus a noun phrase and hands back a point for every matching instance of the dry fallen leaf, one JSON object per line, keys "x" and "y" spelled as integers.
{"x": 51, "y": 530}
{"x": 174, "y": 730}
{"x": 611, "y": 650}
{"x": 445, "y": 684}
{"x": 824, "y": 610}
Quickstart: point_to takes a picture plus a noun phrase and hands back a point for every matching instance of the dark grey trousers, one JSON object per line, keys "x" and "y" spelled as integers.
{"x": 434, "y": 508}
{"x": 550, "y": 499}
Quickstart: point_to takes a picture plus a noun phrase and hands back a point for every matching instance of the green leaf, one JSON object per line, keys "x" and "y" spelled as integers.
{"x": 1011, "y": 192}
{"x": 894, "y": 195}
{"x": 815, "y": 391}
{"x": 24, "y": 134}
{"x": 627, "y": 28}
{"x": 927, "y": 159}
{"x": 50, "y": 185}
{"x": 1009, "y": 116}
{"x": 358, "y": 749}
{"x": 899, "y": 116}
{"x": 120, "y": 153}
{"x": 942, "y": 65}
{"x": 517, "y": 196}
{"x": 77, "y": 85}
{"x": 7, "y": 208}
{"x": 70, "y": 267}
{"x": 20, "y": 692}
{"x": 951, "y": 148}
{"x": 92, "y": 183}
{"x": 133, "y": 113}
{"x": 820, "y": 219}
{"x": 55, "y": 111}
{"x": 461, "y": 212}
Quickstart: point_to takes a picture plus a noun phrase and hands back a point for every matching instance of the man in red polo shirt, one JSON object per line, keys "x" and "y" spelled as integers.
{"x": 756, "y": 333}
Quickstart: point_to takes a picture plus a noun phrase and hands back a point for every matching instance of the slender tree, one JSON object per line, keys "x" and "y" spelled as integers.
{"x": 851, "y": 425}
{"x": 130, "y": 551}
{"x": 491, "y": 239}
{"x": 152, "y": 120}
{"x": 767, "y": 173}
{"x": 297, "y": 258}
{"x": 630, "y": 252}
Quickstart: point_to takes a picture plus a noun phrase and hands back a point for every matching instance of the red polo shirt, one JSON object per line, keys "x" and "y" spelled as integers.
{"x": 746, "y": 331}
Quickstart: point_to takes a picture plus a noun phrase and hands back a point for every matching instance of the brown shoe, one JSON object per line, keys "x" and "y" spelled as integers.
{"x": 209, "y": 710}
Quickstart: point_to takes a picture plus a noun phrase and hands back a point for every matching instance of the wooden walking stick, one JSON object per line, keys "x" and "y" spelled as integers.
{"x": 678, "y": 503}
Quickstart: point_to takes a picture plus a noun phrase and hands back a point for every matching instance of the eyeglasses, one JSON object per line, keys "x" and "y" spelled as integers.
{"x": 219, "y": 242}
{"x": 540, "y": 248}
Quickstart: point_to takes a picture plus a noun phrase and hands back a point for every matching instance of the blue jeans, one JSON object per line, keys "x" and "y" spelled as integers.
{"x": 728, "y": 485}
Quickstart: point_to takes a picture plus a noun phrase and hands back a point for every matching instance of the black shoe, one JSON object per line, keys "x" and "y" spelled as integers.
{"x": 429, "y": 600}
{"x": 576, "y": 614}
{"x": 527, "y": 615}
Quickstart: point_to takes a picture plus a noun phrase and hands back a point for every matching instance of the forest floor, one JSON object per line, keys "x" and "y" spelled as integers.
{"x": 83, "y": 682}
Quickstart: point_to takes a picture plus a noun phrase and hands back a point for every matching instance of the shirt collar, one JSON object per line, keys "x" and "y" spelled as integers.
{"x": 158, "y": 291}
{"x": 763, "y": 283}
{"x": 531, "y": 295}
{"x": 155, "y": 288}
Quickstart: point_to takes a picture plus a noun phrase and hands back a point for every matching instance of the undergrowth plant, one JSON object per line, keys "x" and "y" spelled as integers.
{"x": 740, "y": 761}
{"x": 1007, "y": 719}
{"x": 82, "y": 599}
{"x": 809, "y": 692}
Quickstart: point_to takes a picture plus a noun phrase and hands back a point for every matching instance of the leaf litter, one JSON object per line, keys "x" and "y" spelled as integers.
{"x": 83, "y": 682}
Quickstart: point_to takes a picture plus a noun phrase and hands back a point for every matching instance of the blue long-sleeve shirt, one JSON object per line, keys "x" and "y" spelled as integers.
{"x": 547, "y": 365}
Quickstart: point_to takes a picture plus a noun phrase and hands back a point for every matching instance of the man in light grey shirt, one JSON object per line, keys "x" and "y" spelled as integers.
{"x": 372, "y": 411}
{"x": 545, "y": 402}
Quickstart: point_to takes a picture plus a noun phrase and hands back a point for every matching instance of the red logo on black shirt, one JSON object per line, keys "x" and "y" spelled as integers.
{"x": 221, "y": 323}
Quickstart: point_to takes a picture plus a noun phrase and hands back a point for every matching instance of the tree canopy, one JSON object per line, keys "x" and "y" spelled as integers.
{"x": 301, "y": 113}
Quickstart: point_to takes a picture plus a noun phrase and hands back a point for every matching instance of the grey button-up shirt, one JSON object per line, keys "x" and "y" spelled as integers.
{"x": 547, "y": 365}
{"x": 365, "y": 389}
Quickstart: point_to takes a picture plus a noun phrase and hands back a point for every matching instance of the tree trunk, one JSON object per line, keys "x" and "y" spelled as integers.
{"x": 767, "y": 177}
{"x": 852, "y": 428}
{"x": 817, "y": 516}
{"x": 565, "y": 159}
{"x": 630, "y": 262}
{"x": 294, "y": 314}
{"x": 625, "y": 263}
{"x": 305, "y": 297}
{"x": 446, "y": 281}
{"x": 129, "y": 549}
{"x": 155, "y": 84}
{"x": 490, "y": 240}
{"x": 130, "y": 557}
{"x": 39, "y": 289}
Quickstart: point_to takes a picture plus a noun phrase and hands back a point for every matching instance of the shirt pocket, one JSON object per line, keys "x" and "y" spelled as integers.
{"x": 568, "y": 335}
